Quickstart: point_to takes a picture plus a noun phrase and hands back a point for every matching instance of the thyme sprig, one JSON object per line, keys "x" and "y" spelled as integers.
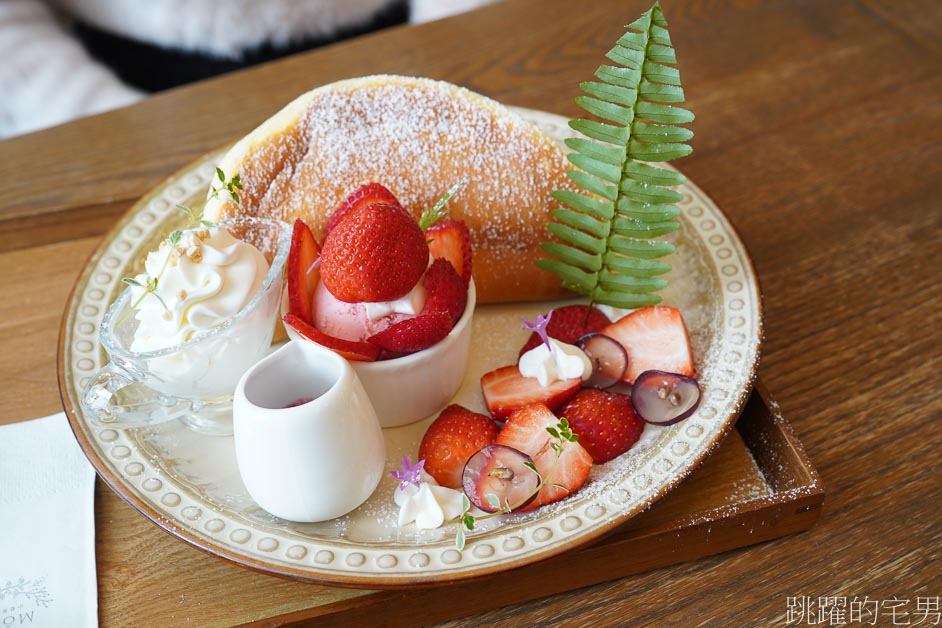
{"x": 433, "y": 214}
{"x": 150, "y": 284}
{"x": 228, "y": 185}
{"x": 562, "y": 433}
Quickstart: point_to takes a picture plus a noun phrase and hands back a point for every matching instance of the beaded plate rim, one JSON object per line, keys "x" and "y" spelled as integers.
{"x": 567, "y": 525}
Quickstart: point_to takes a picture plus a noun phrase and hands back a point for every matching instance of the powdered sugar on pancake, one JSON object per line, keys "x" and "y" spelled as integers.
{"x": 417, "y": 137}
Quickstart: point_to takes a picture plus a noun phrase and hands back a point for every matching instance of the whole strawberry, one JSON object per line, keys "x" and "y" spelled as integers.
{"x": 451, "y": 440}
{"x": 376, "y": 253}
{"x": 606, "y": 422}
{"x": 364, "y": 195}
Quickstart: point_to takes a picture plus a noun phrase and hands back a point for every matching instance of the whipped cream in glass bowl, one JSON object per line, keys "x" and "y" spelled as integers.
{"x": 177, "y": 352}
{"x": 205, "y": 280}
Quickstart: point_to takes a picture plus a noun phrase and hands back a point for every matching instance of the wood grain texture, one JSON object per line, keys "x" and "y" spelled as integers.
{"x": 819, "y": 133}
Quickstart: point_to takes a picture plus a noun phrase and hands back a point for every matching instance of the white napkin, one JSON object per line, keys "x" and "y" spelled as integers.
{"x": 47, "y": 527}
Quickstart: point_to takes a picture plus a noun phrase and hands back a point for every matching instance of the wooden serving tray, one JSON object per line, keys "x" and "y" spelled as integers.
{"x": 758, "y": 485}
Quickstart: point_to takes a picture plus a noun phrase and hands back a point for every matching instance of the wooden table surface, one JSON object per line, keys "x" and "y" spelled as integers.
{"x": 818, "y": 132}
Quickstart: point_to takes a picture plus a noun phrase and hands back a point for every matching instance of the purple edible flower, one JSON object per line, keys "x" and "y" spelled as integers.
{"x": 410, "y": 474}
{"x": 540, "y": 327}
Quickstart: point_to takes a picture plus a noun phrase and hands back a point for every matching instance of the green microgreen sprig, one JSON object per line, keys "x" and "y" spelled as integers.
{"x": 196, "y": 219}
{"x": 562, "y": 433}
{"x": 433, "y": 214}
{"x": 228, "y": 185}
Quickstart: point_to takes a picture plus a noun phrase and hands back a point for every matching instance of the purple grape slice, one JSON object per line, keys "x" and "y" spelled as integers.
{"x": 609, "y": 359}
{"x": 501, "y": 472}
{"x": 662, "y": 398}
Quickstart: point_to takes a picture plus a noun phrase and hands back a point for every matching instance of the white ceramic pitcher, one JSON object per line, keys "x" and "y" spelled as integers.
{"x": 308, "y": 443}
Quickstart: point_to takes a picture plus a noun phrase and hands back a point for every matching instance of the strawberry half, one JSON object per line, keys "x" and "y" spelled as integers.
{"x": 302, "y": 271}
{"x": 506, "y": 389}
{"x": 568, "y": 324}
{"x": 377, "y": 253}
{"x": 350, "y": 349}
{"x": 449, "y": 238}
{"x": 525, "y": 430}
{"x": 445, "y": 290}
{"x": 361, "y": 197}
{"x": 606, "y": 422}
{"x": 451, "y": 440}
{"x": 655, "y": 337}
{"x": 413, "y": 334}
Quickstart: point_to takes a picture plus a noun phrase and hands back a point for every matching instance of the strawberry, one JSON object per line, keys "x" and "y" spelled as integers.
{"x": 525, "y": 430}
{"x": 377, "y": 253}
{"x": 450, "y": 238}
{"x": 445, "y": 290}
{"x": 362, "y": 196}
{"x": 505, "y": 390}
{"x": 413, "y": 334}
{"x": 451, "y": 440}
{"x": 568, "y": 324}
{"x": 302, "y": 271}
{"x": 350, "y": 349}
{"x": 606, "y": 422}
{"x": 655, "y": 337}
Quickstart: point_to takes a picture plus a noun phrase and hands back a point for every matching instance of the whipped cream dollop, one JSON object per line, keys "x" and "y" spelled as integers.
{"x": 428, "y": 504}
{"x": 205, "y": 280}
{"x": 565, "y": 361}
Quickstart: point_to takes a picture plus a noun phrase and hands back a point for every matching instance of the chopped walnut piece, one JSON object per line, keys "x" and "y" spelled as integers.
{"x": 195, "y": 254}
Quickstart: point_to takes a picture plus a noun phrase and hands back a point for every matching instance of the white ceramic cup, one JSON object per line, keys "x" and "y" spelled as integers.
{"x": 411, "y": 388}
{"x": 308, "y": 443}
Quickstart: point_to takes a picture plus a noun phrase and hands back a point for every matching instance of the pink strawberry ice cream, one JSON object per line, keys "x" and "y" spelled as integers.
{"x": 359, "y": 321}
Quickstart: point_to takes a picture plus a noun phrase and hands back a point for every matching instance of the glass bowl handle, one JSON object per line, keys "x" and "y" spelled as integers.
{"x": 115, "y": 398}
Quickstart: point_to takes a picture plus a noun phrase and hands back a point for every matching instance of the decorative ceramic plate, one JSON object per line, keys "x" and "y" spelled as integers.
{"x": 189, "y": 483}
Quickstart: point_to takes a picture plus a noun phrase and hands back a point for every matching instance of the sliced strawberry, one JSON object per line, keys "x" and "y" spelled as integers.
{"x": 445, "y": 290}
{"x": 655, "y": 337}
{"x": 362, "y": 196}
{"x": 525, "y": 430}
{"x": 350, "y": 349}
{"x": 506, "y": 390}
{"x": 377, "y": 253}
{"x": 450, "y": 238}
{"x": 568, "y": 324}
{"x": 606, "y": 422}
{"x": 451, "y": 440}
{"x": 302, "y": 271}
{"x": 413, "y": 334}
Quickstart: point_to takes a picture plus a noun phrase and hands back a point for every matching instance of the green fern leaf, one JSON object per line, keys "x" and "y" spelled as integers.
{"x": 585, "y": 204}
{"x": 582, "y": 222}
{"x": 614, "y": 155}
{"x": 606, "y": 172}
{"x": 607, "y": 238}
{"x": 650, "y": 193}
{"x": 647, "y": 211}
{"x": 634, "y": 266}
